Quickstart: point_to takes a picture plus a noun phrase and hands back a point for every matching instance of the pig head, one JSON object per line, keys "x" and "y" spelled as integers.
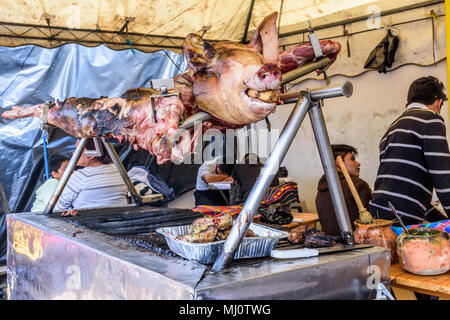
{"x": 235, "y": 83}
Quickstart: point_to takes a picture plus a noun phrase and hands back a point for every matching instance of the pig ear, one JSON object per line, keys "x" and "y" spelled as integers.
{"x": 265, "y": 39}
{"x": 197, "y": 51}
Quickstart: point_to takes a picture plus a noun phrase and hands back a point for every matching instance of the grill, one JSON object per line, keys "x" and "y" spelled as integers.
{"x": 131, "y": 220}
{"x": 137, "y": 225}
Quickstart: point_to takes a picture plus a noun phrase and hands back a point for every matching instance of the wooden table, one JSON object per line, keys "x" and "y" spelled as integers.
{"x": 404, "y": 284}
{"x": 307, "y": 219}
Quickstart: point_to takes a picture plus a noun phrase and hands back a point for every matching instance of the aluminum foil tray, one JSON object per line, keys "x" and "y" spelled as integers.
{"x": 207, "y": 253}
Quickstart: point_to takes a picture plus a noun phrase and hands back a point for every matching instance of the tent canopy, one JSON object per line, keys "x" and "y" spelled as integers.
{"x": 153, "y": 25}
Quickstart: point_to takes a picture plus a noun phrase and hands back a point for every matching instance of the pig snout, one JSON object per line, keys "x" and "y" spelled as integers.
{"x": 269, "y": 76}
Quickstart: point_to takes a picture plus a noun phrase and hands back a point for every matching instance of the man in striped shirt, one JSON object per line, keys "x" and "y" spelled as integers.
{"x": 414, "y": 158}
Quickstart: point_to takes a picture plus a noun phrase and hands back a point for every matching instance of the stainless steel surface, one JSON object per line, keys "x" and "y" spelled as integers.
{"x": 49, "y": 258}
{"x": 123, "y": 173}
{"x": 98, "y": 151}
{"x": 207, "y": 252}
{"x": 262, "y": 183}
{"x": 398, "y": 217}
{"x": 158, "y": 84}
{"x": 329, "y": 167}
{"x": 346, "y": 275}
{"x": 65, "y": 177}
{"x": 343, "y": 90}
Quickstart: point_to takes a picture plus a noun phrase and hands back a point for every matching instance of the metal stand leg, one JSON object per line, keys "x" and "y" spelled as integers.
{"x": 329, "y": 167}
{"x": 272, "y": 165}
{"x": 65, "y": 177}
{"x": 262, "y": 183}
{"x": 71, "y": 166}
{"x": 115, "y": 158}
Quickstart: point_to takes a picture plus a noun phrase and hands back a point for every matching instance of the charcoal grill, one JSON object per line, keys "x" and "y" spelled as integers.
{"x": 115, "y": 253}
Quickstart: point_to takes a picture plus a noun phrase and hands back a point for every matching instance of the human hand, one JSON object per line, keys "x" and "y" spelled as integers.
{"x": 69, "y": 213}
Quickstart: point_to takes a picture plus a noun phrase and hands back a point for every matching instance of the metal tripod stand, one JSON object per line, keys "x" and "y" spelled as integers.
{"x": 309, "y": 101}
{"x": 116, "y": 160}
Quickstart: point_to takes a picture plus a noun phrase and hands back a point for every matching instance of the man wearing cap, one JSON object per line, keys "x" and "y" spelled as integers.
{"x": 415, "y": 158}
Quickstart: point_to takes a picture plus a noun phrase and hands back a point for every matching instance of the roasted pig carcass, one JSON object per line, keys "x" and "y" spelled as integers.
{"x": 236, "y": 84}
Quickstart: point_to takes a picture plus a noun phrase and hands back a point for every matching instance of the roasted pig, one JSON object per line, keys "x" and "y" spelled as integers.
{"x": 236, "y": 84}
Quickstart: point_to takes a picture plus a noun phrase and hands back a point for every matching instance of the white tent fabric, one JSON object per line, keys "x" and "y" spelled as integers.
{"x": 156, "y": 24}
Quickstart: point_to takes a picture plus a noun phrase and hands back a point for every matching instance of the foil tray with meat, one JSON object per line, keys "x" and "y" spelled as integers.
{"x": 206, "y": 252}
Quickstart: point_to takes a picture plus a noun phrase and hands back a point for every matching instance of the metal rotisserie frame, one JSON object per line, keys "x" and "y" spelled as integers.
{"x": 52, "y": 258}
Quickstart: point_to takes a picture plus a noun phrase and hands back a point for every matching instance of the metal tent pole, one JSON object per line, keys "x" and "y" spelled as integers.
{"x": 271, "y": 167}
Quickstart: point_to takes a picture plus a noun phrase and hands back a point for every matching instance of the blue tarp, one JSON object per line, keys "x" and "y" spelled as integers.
{"x": 31, "y": 75}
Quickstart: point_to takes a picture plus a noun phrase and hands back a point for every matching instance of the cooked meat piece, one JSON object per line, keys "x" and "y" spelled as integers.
{"x": 297, "y": 235}
{"x": 201, "y": 224}
{"x": 202, "y": 237}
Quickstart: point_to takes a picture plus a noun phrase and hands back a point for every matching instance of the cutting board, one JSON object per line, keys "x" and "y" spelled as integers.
{"x": 305, "y": 217}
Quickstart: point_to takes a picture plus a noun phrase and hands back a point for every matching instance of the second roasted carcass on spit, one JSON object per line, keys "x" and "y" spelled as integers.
{"x": 236, "y": 84}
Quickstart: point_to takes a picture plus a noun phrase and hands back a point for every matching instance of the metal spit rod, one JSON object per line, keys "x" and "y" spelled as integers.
{"x": 273, "y": 163}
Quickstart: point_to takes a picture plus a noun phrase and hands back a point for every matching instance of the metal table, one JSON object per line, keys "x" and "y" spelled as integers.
{"x": 52, "y": 258}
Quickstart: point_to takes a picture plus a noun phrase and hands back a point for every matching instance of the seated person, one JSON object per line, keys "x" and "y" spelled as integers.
{"x": 215, "y": 170}
{"x": 98, "y": 184}
{"x": 56, "y": 165}
{"x": 324, "y": 204}
{"x": 244, "y": 177}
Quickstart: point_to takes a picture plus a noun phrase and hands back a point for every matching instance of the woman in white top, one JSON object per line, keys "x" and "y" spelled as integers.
{"x": 98, "y": 184}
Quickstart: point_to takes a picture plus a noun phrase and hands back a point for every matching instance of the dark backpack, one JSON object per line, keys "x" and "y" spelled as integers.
{"x": 156, "y": 184}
